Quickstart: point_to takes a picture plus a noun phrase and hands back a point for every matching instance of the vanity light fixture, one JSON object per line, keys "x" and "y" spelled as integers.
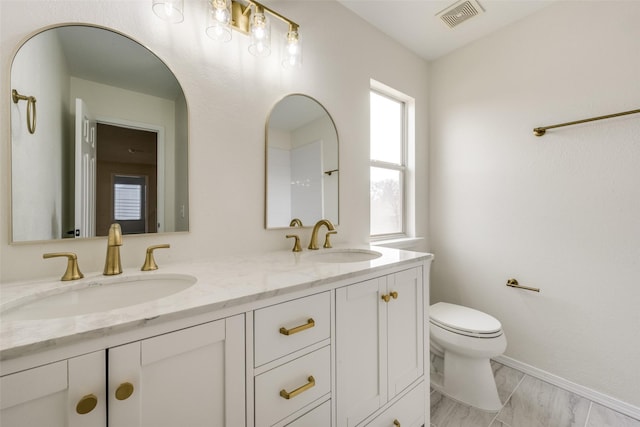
{"x": 248, "y": 17}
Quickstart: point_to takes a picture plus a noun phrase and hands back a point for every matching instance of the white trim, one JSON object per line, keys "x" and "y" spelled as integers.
{"x": 595, "y": 396}
{"x": 398, "y": 243}
{"x": 160, "y": 152}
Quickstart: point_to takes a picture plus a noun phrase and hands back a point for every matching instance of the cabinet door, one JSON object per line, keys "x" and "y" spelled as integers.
{"x": 54, "y": 395}
{"x": 361, "y": 342}
{"x": 405, "y": 330}
{"x": 193, "y": 377}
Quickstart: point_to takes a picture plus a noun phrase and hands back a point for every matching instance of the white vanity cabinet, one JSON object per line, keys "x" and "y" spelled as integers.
{"x": 53, "y": 395}
{"x": 191, "y": 377}
{"x": 379, "y": 345}
{"x": 292, "y": 362}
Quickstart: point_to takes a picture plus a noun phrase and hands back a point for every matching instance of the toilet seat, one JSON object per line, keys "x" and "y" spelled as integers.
{"x": 464, "y": 321}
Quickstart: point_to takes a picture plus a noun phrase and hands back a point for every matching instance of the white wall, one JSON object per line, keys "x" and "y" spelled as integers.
{"x": 560, "y": 212}
{"x": 229, "y": 95}
{"x": 39, "y": 163}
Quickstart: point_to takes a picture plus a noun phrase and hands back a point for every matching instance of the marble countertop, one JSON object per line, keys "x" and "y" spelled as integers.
{"x": 222, "y": 282}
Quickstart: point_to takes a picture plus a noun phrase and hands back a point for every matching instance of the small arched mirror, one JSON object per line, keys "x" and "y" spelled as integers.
{"x": 106, "y": 140}
{"x": 302, "y": 171}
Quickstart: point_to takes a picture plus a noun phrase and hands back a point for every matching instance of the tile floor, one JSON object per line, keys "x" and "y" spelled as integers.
{"x": 529, "y": 402}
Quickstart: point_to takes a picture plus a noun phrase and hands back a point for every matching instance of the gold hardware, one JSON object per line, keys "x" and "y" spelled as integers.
{"x": 394, "y": 295}
{"x": 310, "y": 324}
{"x": 386, "y": 297}
{"x": 291, "y": 394}
{"x": 124, "y": 391}
{"x": 295, "y": 222}
{"x": 513, "y": 283}
{"x": 31, "y": 109}
{"x": 313, "y": 244}
{"x": 327, "y": 242}
{"x": 87, "y": 404}
{"x": 73, "y": 271}
{"x": 539, "y": 131}
{"x": 296, "y": 244}
{"x": 112, "y": 265}
{"x": 396, "y": 423}
{"x": 149, "y": 261}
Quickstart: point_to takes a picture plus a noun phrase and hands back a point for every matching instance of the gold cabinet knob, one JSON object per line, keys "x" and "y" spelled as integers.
{"x": 396, "y": 423}
{"x": 124, "y": 391}
{"x": 394, "y": 295}
{"x": 386, "y": 297}
{"x": 87, "y": 404}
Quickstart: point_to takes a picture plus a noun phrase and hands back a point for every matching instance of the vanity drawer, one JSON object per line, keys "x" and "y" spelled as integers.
{"x": 318, "y": 417}
{"x": 306, "y": 379}
{"x": 306, "y": 320}
{"x": 409, "y": 411}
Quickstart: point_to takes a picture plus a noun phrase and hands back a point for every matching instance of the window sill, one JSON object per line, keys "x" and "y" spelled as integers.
{"x": 398, "y": 243}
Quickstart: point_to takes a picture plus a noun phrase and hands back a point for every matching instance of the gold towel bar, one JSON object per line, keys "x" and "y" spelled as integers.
{"x": 543, "y": 129}
{"x": 513, "y": 283}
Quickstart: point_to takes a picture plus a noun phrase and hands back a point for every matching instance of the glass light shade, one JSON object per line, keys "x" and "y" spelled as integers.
{"x": 260, "y": 31}
{"x": 219, "y": 20}
{"x": 292, "y": 55}
{"x": 169, "y": 10}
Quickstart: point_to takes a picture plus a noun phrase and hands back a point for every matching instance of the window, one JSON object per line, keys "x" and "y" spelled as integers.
{"x": 128, "y": 198}
{"x": 388, "y": 168}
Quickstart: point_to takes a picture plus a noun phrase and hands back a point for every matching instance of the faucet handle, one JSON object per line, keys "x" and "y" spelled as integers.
{"x": 327, "y": 241}
{"x": 73, "y": 271}
{"x": 149, "y": 261}
{"x": 296, "y": 245}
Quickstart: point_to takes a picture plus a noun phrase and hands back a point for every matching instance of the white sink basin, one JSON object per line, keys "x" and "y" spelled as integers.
{"x": 98, "y": 295}
{"x": 343, "y": 255}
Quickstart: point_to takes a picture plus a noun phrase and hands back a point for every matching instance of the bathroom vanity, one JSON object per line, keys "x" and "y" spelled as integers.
{"x": 317, "y": 338}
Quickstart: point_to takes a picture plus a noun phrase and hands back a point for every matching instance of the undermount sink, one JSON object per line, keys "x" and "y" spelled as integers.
{"x": 98, "y": 295}
{"x": 343, "y": 255}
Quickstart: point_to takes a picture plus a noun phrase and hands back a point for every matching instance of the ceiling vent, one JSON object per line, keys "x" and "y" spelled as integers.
{"x": 460, "y": 12}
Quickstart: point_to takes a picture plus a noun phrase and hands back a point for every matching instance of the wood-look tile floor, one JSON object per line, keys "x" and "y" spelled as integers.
{"x": 528, "y": 402}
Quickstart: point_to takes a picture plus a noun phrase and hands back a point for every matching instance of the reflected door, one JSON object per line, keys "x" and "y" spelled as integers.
{"x": 85, "y": 171}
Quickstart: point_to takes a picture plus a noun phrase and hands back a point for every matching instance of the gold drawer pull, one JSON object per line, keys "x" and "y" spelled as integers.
{"x": 310, "y": 324}
{"x": 289, "y": 394}
{"x": 124, "y": 391}
{"x": 87, "y": 404}
{"x": 394, "y": 295}
{"x": 396, "y": 423}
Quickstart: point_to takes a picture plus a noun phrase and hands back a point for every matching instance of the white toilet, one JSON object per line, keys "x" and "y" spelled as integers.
{"x": 467, "y": 339}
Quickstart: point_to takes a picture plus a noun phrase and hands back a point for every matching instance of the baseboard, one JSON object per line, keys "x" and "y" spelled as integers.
{"x": 595, "y": 396}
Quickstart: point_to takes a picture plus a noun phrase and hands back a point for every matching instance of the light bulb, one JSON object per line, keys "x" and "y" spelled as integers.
{"x": 168, "y": 10}
{"x": 260, "y": 31}
{"x": 292, "y": 55}
{"x": 219, "y": 20}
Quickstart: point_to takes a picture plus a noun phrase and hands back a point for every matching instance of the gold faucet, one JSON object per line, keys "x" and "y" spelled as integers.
{"x": 73, "y": 271}
{"x": 295, "y": 222}
{"x": 112, "y": 265}
{"x": 313, "y": 244}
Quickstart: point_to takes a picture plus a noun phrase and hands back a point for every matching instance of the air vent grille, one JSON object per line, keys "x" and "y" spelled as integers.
{"x": 460, "y": 12}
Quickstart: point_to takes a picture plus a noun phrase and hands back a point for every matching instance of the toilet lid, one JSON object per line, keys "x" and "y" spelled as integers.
{"x": 464, "y": 319}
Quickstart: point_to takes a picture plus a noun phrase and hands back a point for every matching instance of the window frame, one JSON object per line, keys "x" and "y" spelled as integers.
{"x": 403, "y": 166}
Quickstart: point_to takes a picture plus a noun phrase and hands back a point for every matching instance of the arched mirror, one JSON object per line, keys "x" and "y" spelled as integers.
{"x": 302, "y": 171}
{"x": 105, "y": 140}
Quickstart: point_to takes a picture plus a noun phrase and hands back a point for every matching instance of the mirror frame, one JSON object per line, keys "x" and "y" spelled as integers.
{"x": 19, "y": 45}
{"x": 266, "y": 162}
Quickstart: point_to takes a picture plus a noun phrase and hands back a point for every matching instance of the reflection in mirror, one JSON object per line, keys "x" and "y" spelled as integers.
{"x": 301, "y": 163}
{"x": 110, "y": 143}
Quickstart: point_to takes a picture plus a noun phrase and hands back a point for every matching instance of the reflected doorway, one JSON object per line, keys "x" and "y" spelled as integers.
{"x": 126, "y": 179}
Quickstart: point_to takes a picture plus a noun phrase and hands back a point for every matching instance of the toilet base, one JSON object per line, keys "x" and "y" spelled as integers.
{"x": 459, "y": 373}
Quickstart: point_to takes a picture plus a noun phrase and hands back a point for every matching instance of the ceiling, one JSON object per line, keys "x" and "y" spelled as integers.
{"x": 414, "y": 24}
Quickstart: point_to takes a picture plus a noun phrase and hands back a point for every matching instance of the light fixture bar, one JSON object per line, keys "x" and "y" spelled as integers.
{"x": 240, "y": 15}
